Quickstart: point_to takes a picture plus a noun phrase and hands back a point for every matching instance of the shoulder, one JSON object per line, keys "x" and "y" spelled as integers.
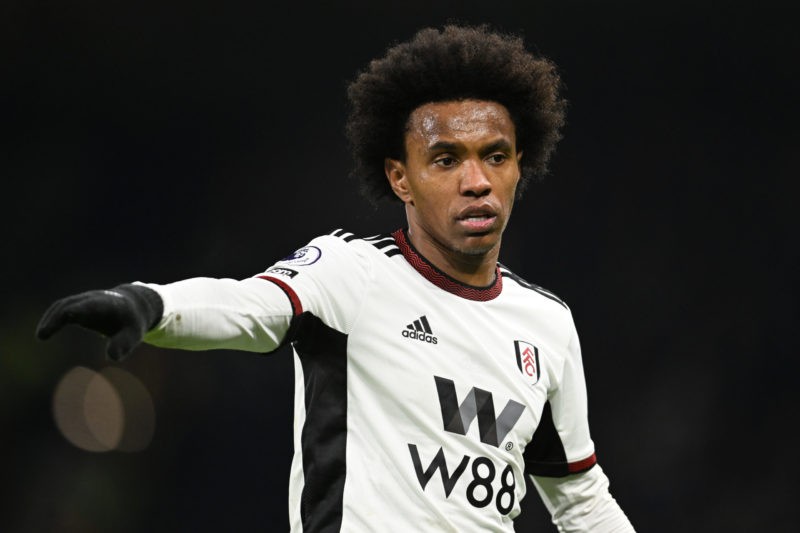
{"x": 535, "y": 290}
{"x": 382, "y": 243}
{"x": 341, "y": 247}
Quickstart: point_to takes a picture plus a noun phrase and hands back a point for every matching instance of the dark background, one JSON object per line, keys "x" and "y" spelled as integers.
{"x": 157, "y": 141}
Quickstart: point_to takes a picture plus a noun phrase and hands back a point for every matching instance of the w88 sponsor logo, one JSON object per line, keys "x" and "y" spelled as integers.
{"x": 485, "y": 487}
{"x": 489, "y": 483}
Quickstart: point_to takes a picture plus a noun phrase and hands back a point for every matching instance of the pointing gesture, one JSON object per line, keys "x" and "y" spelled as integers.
{"x": 123, "y": 314}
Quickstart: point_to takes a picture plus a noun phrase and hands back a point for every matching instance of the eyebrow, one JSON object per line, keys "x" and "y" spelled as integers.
{"x": 445, "y": 146}
{"x": 500, "y": 145}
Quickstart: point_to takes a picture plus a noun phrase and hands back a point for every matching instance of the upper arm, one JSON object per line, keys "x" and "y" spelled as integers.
{"x": 562, "y": 444}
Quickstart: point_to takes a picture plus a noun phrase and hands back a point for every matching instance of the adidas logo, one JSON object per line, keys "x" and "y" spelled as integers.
{"x": 420, "y": 330}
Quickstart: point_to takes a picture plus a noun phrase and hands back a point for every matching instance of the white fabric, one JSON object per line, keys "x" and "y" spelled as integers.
{"x": 582, "y": 502}
{"x": 204, "y": 313}
{"x": 393, "y": 403}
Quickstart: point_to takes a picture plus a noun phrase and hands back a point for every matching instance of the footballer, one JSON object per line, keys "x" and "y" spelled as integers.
{"x": 430, "y": 379}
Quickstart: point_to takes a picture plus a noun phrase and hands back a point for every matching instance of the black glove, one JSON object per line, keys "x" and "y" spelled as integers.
{"x": 124, "y": 314}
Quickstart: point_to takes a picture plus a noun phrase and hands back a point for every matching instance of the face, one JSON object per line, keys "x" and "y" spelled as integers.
{"x": 459, "y": 176}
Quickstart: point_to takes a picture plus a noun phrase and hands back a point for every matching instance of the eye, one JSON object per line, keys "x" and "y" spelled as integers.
{"x": 497, "y": 158}
{"x": 446, "y": 161}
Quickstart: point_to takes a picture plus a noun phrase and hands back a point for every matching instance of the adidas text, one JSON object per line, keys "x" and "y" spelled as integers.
{"x": 420, "y": 335}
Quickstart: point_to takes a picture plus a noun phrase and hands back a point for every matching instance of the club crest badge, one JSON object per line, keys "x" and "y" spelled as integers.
{"x": 528, "y": 361}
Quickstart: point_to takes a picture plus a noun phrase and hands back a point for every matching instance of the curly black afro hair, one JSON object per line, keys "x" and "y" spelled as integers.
{"x": 455, "y": 63}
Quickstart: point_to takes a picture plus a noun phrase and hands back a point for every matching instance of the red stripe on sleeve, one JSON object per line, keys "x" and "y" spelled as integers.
{"x": 297, "y": 307}
{"x": 582, "y": 465}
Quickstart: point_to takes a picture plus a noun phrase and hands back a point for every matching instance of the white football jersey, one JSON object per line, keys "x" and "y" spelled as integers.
{"x": 420, "y": 402}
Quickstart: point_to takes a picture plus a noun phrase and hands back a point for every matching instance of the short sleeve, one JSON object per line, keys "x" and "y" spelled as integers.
{"x": 561, "y": 444}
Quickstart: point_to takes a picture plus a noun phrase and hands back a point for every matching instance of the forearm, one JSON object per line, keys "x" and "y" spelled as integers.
{"x": 206, "y": 313}
{"x": 582, "y": 503}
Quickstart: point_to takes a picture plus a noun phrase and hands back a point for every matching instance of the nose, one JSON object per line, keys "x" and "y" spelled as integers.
{"x": 474, "y": 180}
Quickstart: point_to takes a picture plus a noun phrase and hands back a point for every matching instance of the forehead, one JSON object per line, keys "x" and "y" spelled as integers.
{"x": 462, "y": 120}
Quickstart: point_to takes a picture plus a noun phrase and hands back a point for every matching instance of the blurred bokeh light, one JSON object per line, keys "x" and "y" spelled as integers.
{"x": 103, "y": 411}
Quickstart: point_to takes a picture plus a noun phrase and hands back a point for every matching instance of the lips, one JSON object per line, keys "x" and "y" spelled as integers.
{"x": 477, "y": 218}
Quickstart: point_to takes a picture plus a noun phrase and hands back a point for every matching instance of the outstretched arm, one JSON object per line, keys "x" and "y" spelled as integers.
{"x": 193, "y": 314}
{"x": 205, "y": 313}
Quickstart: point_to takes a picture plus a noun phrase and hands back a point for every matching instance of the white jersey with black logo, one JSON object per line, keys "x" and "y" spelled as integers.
{"x": 420, "y": 402}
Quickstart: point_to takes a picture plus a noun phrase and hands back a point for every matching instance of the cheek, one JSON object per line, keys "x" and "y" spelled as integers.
{"x": 423, "y": 187}
{"x": 512, "y": 193}
{"x": 511, "y": 187}
{"x": 432, "y": 199}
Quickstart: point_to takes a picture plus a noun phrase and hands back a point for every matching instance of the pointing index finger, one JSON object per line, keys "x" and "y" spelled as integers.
{"x": 56, "y": 316}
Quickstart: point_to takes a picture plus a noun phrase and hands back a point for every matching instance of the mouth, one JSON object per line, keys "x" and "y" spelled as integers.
{"x": 477, "y": 219}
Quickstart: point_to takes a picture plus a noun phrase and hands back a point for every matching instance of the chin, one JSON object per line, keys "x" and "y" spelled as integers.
{"x": 475, "y": 252}
{"x": 476, "y": 249}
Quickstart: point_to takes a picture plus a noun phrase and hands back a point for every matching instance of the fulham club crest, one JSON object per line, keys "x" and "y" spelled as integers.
{"x": 528, "y": 361}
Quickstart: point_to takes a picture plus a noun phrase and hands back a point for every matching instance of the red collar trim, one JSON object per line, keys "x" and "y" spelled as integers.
{"x": 442, "y": 280}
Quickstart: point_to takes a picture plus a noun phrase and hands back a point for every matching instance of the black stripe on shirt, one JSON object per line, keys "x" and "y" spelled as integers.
{"x": 528, "y": 285}
{"x": 323, "y": 354}
{"x": 385, "y": 243}
{"x": 346, "y": 236}
{"x": 382, "y": 243}
{"x": 545, "y": 456}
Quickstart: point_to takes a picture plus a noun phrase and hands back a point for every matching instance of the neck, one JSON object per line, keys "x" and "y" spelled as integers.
{"x": 477, "y": 270}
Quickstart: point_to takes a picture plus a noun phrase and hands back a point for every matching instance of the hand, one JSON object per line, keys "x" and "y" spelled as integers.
{"x": 124, "y": 314}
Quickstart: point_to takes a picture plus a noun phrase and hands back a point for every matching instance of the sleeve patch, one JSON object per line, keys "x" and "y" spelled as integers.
{"x": 307, "y": 255}
{"x": 282, "y": 271}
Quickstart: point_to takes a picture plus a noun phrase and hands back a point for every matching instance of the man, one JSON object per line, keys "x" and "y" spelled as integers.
{"x": 429, "y": 378}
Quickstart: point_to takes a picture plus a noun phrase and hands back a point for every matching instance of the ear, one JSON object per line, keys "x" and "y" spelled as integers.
{"x": 396, "y": 174}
